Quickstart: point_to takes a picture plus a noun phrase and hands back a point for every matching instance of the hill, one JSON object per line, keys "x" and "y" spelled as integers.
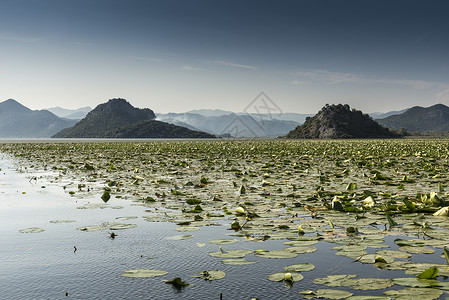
{"x": 117, "y": 118}
{"x": 105, "y": 118}
{"x": 18, "y": 121}
{"x": 158, "y": 129}
{"x": 420, "y": 119}
{"x": 339, "y": 121}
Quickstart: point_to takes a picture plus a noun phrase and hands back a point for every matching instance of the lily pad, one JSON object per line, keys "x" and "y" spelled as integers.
{"x": 299, "y": 267}
{"x": 223, "y": 242}
{"x": 179, "y": 237}
{"x": 415, "y": 293}
{"x": 237, "y": 261}
{"x": 276, "y": 254}
{"x": 231, "y": 253}
{"x": 32, "y": 230}
{"x": 143, "y": 273}
{"x": 281, "y": 276}
{"x": 326, "y": 294}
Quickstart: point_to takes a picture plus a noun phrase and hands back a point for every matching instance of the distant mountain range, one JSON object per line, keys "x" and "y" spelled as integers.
{"x": 420, "y": 119}
{"x": 117, "y": 118}
{"x": 73, "y": 114}
{"x": 339, "y": 121}
{"x": 231, "y": 124}
{"x": 18, "y": 121}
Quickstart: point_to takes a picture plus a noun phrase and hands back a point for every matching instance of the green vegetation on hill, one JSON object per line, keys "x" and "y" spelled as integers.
{"x": 420, "y": 119}
{"x": 339, "y": 121}
{"x": 157, "y": 129}
{"x": 106, "y": 118}
{"x": 119, "y": 119}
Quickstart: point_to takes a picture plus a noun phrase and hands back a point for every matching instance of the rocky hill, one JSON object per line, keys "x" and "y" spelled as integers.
{"x": 339, "y": 121}
{"x": 420, "y": 119}
{"x": 158, "y": 129}
{"x": 18, "y": 121}
{"x": 119, "y": 119}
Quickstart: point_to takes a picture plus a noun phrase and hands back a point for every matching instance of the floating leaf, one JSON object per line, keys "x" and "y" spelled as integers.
{"x": 430, "y": 273}
{"x": 276, "y": 254}
{"x": 106, "y": 196}
{"x": 281, "y": 276}
{"x": 141, "y": 273}
{"x": 223, "y": 242}
{"x": 237, "y": 261}
{"x": 179, "y": 237}
{"x": 326, "y": 294}
{"x": 415, "y": 293}
{"x": 446, "y": 254}
{"x": 32, "y": 230}
{"x": 299, "y": 267}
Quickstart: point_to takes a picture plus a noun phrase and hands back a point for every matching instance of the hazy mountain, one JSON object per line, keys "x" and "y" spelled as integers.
{"x": 119, "y": 119}
{"x": 18, "y": 121}
{"x": 209, "y": 112}
{"x": 380, "y": 115}
{"x": 339, "y": 121}
{"x": 73, "y": 114}
{"x": 236, "y": 125}
{"x": 420, "y": 119}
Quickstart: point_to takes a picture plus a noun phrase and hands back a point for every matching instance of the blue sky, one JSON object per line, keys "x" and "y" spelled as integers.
{"x": 179, "y": 55}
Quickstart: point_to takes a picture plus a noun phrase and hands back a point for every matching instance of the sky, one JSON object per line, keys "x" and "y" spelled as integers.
{"x": 181, "y": 55}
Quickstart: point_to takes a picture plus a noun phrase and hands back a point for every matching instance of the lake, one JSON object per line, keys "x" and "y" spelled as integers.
{"x": 50, "y": 187}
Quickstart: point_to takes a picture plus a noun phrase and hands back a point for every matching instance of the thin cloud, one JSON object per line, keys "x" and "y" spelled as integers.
{"x": 19, "y": 38}
{"x": 332, "y": 78}
{"x": 230, "y": 64}
{"x": 190, "y": 68}
{"x": 148, "y": 58}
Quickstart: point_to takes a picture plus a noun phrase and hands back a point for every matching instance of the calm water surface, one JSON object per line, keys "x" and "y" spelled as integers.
{"x": 45, "y": 266}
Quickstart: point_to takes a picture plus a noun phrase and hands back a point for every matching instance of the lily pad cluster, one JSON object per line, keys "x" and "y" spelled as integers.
{"x": 354, "y": 194}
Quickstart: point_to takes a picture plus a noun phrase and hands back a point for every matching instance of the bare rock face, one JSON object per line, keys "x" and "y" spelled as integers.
{"x": 339, "y": 121}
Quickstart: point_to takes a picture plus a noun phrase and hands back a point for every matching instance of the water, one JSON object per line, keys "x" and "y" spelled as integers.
{"x": 46, "y": 266}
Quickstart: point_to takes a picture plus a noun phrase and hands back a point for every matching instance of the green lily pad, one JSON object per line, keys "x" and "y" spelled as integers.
{"x": 333, "y": 280}
{"x": 415, "y": 293}
{"x": 179, "y": 237}
{"x": 417, "y": 250}
{"x": 62, "y": 221}
{"x": 276, "y": 254}
{"x": 430, "y": 273}
{"x": 122, "y": 226}
{"x": 367, "y": 283}
{"x": 300, "y": 249}
{"x": 237, "y": 261}
{"x": 326, "y": 294}
{"x": 367, "y": 297}
{"x": 223, "y": 242}
{"x": 32, "y": 230}
{"x": 281, "y": 276}
{"x": 143, "y": 273}
{"x": 299, "y": 267}
{"x": 231, "y": 253}
{"x": 187, "y": 228}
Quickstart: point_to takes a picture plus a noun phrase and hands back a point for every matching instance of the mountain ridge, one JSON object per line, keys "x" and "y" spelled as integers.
{"x": 420, "y": 119}
{"x": 19, "y": 121}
